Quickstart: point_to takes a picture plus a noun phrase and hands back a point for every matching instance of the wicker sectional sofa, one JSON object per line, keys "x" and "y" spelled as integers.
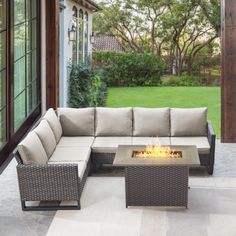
{"x": 56, "y": 157}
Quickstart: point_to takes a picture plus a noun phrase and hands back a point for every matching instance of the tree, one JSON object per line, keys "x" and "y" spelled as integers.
{"x": 177, "y": 29}
{"x": 189, "y": 31}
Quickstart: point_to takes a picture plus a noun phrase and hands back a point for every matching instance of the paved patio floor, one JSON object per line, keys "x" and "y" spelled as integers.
{"x": 15, "y": 222}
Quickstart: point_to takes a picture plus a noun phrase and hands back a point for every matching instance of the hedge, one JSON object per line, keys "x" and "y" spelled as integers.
{"x": 86, "y": 87}
{"x": 129, "y": 69}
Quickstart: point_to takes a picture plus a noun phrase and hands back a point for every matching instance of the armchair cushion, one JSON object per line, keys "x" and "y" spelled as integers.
{"x": 54, "y": 123}
{"x": 80, "y": 141}
{"x": 151, "y": 122}
{"x": 77, "y": 121}
{"x": 46, "y": 136}
{"x": 188, "y": 122}
{"x": 70, "y": 154}
{"x": 32, "y": 151}
{"x": 109, "y": 144}
{"x": 202, "y": 143}
{"x": 114, "y": 122}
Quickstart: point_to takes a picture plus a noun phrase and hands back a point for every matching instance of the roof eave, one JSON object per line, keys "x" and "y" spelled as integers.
{"x": 89, "y": 4}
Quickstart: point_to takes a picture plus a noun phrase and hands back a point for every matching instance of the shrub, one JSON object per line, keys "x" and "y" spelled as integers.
{"x": 183, "y": 80}
{"x": 129, "y": 69}
{"x": 85, "y": 86}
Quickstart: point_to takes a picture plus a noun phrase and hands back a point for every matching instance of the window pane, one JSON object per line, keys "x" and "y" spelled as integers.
{"x": 28, "y": 36}
{"x": 34, "y": 65}
{"x": 34, "y": 93}
{"x": 19, "y": 41}
{"x": 2, "y": 50}
{"x": 19, "y": 110}
{"x": 2, "y": 127}
{"x": 2, "y": 89}
{"x": 29, "y": 99}
{"x": 75, "y": 43}
{"x": 81, "y": 35}
{"x": 19, "y": 76}
{"x": 29, "y": 68}
{"x": 28, "y": 9}
{"x": 19, "y": 11}
{"x": 34, "y": 34}
{"x": 2, "y": 14}
{"x": 86, "y": 36}
{"x": 34, "y": 8}
{"x": 25, "y": 62}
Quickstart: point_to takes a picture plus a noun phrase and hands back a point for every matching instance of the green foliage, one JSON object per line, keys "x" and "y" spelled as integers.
{"x": 98, "y": 91}
{"x": 130, "y": 69}
{"x": 183, "y": 80}
{"x": 86, "y": 87}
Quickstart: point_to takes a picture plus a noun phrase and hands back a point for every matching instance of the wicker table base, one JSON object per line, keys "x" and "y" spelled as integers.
{"x": 156, "y": 186}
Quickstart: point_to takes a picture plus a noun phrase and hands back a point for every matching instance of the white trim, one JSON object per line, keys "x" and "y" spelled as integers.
{"x": 66, "y": 47}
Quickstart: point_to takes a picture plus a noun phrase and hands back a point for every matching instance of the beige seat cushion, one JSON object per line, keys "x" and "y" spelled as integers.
{"x": 71, "y": 154}
{"x": 151, "y": 122}
{"x": 54, "y": 123}
{"x": 82, "y": 141}
{"x": 150, "y": 141}
{"x": 82, "y": 165}
{"x": 188, "y": 122}
{"x": 46, "y": 136}
{"x": 109, "y": 144}
{"x": 202, "y": 143}
{"x": 32, "y": 151}
{"x": 113, "y": 121}
{"x": 77, "y": 121}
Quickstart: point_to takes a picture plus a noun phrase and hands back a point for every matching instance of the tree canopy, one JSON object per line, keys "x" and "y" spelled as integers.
{"x": 178, "y": 29}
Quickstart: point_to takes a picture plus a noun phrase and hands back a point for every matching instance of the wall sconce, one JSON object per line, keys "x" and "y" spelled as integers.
{"x": 92, "y": 38}
{"x": 72, "y": 32}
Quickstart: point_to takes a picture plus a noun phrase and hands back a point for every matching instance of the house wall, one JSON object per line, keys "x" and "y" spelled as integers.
{"x": 66, "y": 47}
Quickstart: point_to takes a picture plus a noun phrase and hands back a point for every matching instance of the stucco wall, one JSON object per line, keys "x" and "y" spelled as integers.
{"x": 66, "y": 46}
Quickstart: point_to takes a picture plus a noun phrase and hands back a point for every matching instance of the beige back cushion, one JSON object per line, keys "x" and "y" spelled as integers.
{"x": 77, "y": 121}
{"x": 31, "y": 150}
{"x": 113, "y": 121}
{"x": 54, "y": 123}
{"x": 188, "y": 122}
{"x": 46, "y": 136}
{"x": 151, "y": 122}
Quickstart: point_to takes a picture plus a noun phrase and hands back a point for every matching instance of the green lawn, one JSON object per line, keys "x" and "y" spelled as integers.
{"x": 169, "y": 97}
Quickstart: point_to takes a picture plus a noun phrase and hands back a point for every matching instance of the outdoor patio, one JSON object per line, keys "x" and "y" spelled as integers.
{"x": 211, "y": 210}
{"x": 92, "y": 93}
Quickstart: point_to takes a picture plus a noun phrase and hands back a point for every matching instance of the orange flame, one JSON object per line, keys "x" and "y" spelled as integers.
{"x": 158, "y": 151}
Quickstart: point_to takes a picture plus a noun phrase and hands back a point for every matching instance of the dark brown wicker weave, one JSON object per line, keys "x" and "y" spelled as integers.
{"x": 156, "y": 186}
{"x": 50, "y": 182}
{"x": 208, "y": 160}
{"x": 98, "y": 159}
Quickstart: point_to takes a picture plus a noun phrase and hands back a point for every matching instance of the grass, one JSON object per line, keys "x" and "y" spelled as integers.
{"x": 183, "y": 97}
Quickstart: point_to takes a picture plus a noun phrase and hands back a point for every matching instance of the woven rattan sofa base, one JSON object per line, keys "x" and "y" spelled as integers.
{"x": 50, "y": 183}
{"x": 98, "y": 159}
{"x": 156, "y": 186}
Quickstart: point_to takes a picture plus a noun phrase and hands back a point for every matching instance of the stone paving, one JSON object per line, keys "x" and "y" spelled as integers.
{"x": 13, "y": 221}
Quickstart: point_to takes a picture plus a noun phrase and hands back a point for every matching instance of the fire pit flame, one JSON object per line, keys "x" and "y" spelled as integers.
{"x": 157, "y": 151}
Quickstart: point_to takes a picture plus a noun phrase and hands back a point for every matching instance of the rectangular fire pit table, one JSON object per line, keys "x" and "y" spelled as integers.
{"x": 156, "y": 181}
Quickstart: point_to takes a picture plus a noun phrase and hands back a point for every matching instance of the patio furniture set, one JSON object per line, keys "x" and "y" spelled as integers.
{"x": 55, "y": 158}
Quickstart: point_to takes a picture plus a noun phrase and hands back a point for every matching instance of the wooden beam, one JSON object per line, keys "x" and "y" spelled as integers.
{"x": 228, "y": 44}
{"x": 52, "y": 53}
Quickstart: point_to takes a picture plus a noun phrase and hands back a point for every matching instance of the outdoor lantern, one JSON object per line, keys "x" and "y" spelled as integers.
{"x": 92, "y": 38}
{"x": 72, "y": 32}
